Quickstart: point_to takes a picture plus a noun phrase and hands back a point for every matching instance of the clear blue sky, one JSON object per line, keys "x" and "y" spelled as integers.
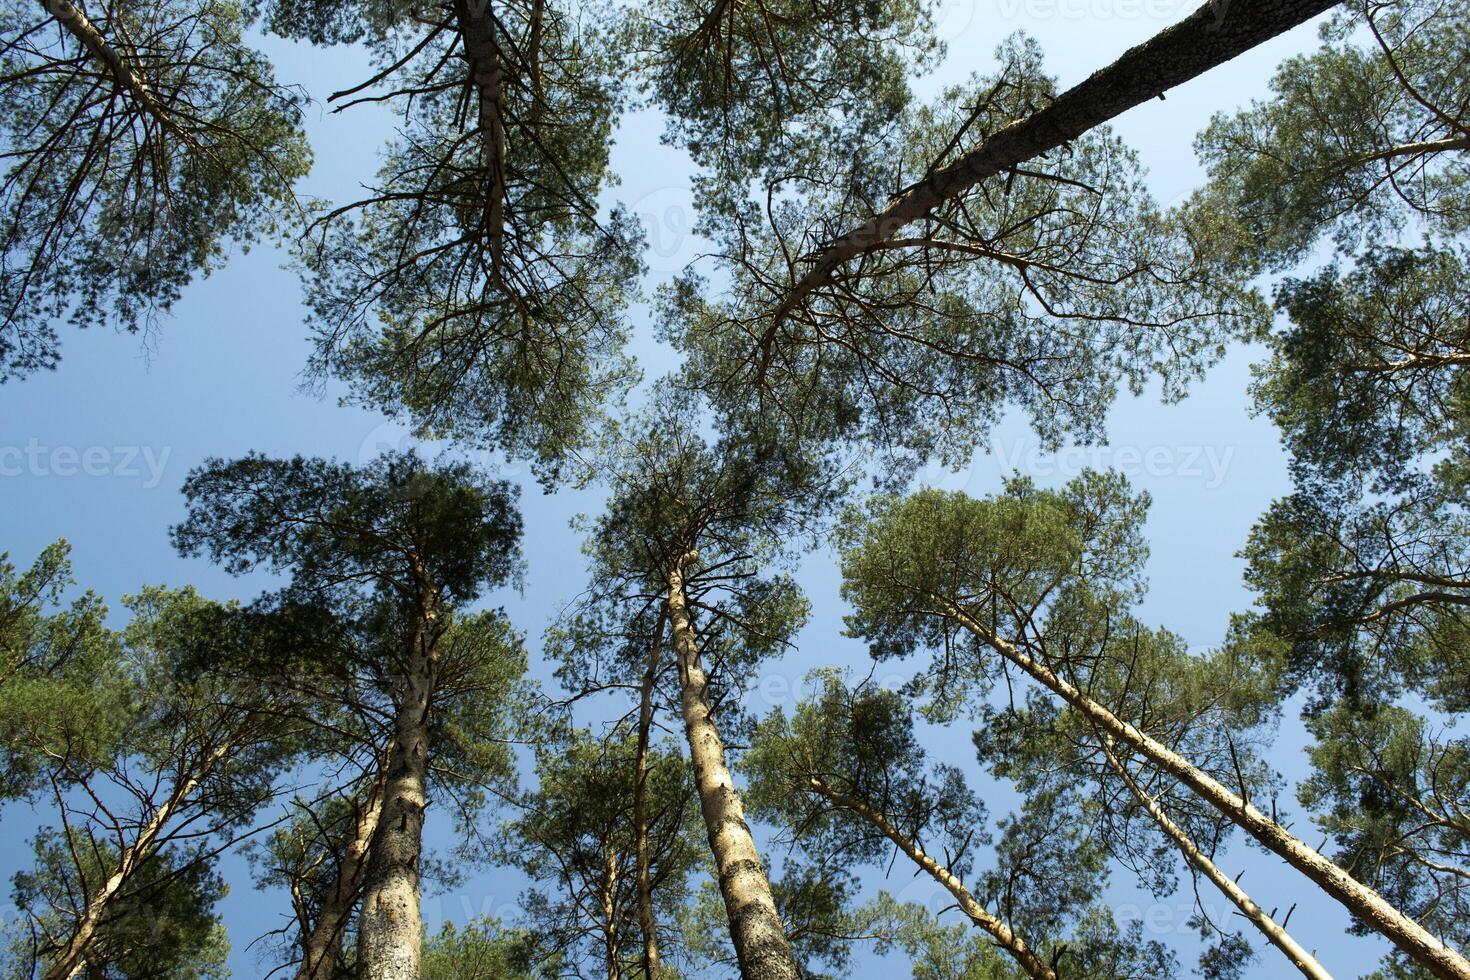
{"x": 95, "y": 452}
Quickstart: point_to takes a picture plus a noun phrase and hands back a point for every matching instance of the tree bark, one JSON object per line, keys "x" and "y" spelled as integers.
{"x": 1004, "y": 936}
{"x": 78, "y": 26}
{"x": 477, "y": 32}
{"x": 319, "y": 954}
{"x": 1212, "y": 35}
{"x": 647, "y": 922}
{"x": 1274, "y": 932}
{"x": 389, "y": 930}
{"x": 761, "y": 946}
{"x": 1408, "y": 935}
{"x": 610, "y": 913}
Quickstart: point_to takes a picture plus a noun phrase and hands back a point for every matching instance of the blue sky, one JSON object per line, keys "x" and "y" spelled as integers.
{"x": 95, "y": 451}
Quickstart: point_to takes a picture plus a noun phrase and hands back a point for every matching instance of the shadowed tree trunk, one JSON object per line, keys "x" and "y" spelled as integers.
{"x": 319, "y": 958}
{"x": 1212, "y": 35}
{"x": 647, "y": 923}
{"x": 761, "y": 946}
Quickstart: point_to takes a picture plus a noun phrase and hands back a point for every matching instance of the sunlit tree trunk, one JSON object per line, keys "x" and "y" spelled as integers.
{"x": 1003, "y": 935}
{"x": 761, "y": 946}
{"x": 1274, "y": 932}
{"x": 71, "y": 960}
{"x": 1365, "y": 903}
{"x": 389, "y": 931}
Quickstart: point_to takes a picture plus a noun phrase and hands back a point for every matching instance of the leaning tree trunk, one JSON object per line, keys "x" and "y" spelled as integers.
{"x": 320, "y": 946}
{"x": 647, "y": 922}
{"x": 1274, "y": 932}
{"x": 761, "y": 946}
{"x": 73, "y": 956}
{"x": 1004, "y": 936}
{"x": 1212, "y": 35}
{"x": 70, "y": 17}
{"x": 389, "y": 929}
{"x": 1373, "y": 909}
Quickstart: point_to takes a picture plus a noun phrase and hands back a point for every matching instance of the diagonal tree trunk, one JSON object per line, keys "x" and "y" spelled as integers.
{"x": 761, "y": 946}
{"x": 72, "y": 957}
{"x": 1373, "y": 909}
{"x": 1274, "y": 932}
{"x": 1212, "y": 35}
{"x": 1004, "y": 936}
{"x": 389, "y": 931}
{"x": 70, "y": 17}
{"x": 319, "y": 954}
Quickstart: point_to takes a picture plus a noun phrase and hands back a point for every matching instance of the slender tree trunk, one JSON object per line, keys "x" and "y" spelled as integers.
{"x": 646, "y": 919}
{"x": 76, "y": 23}
{"x": 1274, "y": 932}
{"x": 389, "y": 930}
{"x": 320, "y": 947}
{"x": 610, "y": 913}
{"x": 477, "y": 31}
{"x": 1408, "y": 935}
{"x": 1215, "y": 33}
{"x": 761, "y": 946}
{"x": 72, "y": 958}
{"x": 1004, "y": 936}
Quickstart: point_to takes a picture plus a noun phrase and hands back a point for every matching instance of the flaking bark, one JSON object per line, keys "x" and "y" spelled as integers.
{"x": 761, "y": 946}
{"x": 389, "y": 933}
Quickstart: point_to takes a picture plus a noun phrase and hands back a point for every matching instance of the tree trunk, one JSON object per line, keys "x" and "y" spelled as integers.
{"x": 646, "y": 919}
{"x": 1212, "y": 35}
{"x": 1003, "y": 935}
{"x": 610, "y": 913}
{"x": 1269, "y": 927}
{"x": 477, "y": 31}
{"x": 389, "y": 930}
{"x": 320, "y": 947}
{"x": 1408, "y": 935}
{"x": 76, "y": 23}
{"x": 72, "y": 957}
{"x": 760, "y": 941}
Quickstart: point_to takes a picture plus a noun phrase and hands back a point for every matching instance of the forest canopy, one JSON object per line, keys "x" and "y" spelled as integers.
{"x": 891, "y": 269}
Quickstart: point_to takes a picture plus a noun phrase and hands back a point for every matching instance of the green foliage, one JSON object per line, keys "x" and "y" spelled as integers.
{"x": 58, "y": 676}
{"x": 1359, "y": 141}
{"x": 1391, "y": 791}
{"x": 758, "y": 88}
{"x": 477, "y": 289}
{"x": 164, "y": 923}
{"x": 1050, "y": 288}
{"x": 486, "y": 950}
{"x": 111, "y": 203}
{"x": 390, "y": 528}
{"x": 576, "y": 834}
{"x": 1371, "y": 375}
